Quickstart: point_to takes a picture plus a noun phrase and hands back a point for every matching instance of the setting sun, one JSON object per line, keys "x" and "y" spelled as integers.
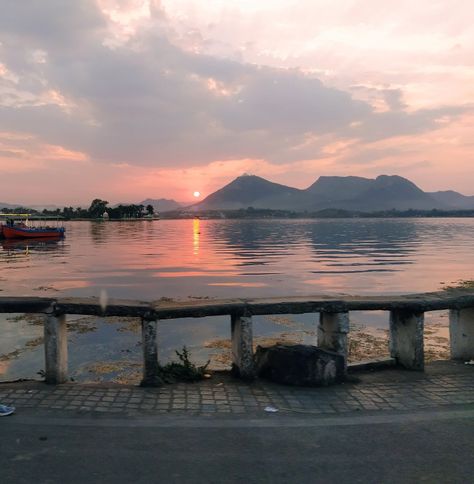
{"x": 197, "y": 194}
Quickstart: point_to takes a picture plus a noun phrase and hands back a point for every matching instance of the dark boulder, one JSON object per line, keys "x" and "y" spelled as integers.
{"x": 301, "y": 365}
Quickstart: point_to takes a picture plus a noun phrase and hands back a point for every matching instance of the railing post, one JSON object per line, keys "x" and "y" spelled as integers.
{"x": 332, "y": 333}
{"x": 406, "y": 338}
{"x": 151, "y": 377}
{"x": 461, "y": 333}
{"x": 243, "y": 364}
{"x": 55, "y": 347}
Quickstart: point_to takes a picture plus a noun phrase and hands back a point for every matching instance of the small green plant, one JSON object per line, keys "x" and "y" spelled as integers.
{"x": 183, "y": 370}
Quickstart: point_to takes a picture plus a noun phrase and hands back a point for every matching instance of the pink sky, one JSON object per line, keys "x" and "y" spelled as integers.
{"x": 133, "y": 99}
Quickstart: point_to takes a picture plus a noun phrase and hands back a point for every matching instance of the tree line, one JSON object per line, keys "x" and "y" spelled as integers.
{"x": 97, "y": 209}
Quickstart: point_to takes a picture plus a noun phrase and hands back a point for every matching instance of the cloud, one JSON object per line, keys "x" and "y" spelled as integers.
{"x": 51, "y": 24}
{"x": 114, "y": 98}
{"x": 393, "y": 98}
{"x": 147, "y": 101}
{"x": 393, "y": 123}
{"x": 20, "y": 154}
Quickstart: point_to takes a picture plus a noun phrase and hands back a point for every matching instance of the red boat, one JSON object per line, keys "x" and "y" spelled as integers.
{"x": 24, "y": 232}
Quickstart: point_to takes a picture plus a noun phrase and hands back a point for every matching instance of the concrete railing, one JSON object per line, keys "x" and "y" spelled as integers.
{"x": 406, "y": 324}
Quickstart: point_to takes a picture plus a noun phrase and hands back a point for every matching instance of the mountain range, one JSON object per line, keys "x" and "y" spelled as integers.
{"x": 11, "y": 206}
{"x": 351, "y": 193}
{"x": 333, "y": 192}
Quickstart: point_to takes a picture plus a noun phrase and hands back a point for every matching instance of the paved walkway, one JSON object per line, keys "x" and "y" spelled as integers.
{"x": 391, "y": 426}
{"x": 442, "y": 384}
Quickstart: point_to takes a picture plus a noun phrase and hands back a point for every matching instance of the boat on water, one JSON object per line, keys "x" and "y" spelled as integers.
{"x": 21, "y": 229}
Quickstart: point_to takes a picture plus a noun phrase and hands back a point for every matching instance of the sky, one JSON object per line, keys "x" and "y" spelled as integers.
{"x": 131, "y": 99}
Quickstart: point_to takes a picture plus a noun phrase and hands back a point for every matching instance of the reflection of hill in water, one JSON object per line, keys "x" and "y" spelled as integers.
{"x": 351, "y": 245}
{"x": 362, "y": 245}
{"x": 257, "y": 239}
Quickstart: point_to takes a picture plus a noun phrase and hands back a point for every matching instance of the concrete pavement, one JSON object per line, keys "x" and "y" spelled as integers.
{"x": 407, "y": 427}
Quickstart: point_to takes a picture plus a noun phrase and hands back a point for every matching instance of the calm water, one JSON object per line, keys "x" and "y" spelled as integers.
{"x": 148, "y": 260}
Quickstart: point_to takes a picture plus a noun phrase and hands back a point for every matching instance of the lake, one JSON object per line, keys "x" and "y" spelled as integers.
{"x": 182, "y": 259}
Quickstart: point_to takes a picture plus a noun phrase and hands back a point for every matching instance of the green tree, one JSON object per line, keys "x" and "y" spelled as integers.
{"x": 97, "y": 208}
{"x": 68, "y": 212}
{"x": 150, "y": 210}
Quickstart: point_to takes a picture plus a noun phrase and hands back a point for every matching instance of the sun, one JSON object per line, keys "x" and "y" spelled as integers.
{"x": 197, "y": 194}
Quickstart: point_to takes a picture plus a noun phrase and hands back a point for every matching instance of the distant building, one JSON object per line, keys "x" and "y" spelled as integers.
{"x": 105, "y": 216}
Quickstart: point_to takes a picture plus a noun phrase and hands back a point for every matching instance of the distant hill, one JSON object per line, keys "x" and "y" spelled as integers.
{"x": 24, "y": 207}
{"x": 394, "y": 192}
{"x": 332, "y": 192}
{"x": 249, "y": 191}
{"x": 338, "y": 187}
{"x": 161, "y": 204}
{"x": 454, "y": 199}
{"x": 10, "y": 205}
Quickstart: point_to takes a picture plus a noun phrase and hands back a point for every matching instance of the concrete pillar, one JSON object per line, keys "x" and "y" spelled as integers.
{"x": 461, "y": 333}
{"x": 332, "y": 333}
{"x": 55, "y": 348}
{"x": 151, "y": 377}
{"x": 242, "y": 347}
{"x": 406, "y": 339}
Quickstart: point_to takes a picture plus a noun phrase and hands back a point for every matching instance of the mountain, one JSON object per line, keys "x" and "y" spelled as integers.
{"x": 249, "y": 191}
{"x": 332, "y": 192}
{"x": 10, "y": 205}
{"x": 338, "y": 187}
{"x": 454, "y": 199}
{"x": 161, "y": 204}
{"x": 394, "y": 192}
{"x": 26, "y": 207}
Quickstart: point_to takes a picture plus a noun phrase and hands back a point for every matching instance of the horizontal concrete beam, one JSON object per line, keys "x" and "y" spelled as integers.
{"x": 416, "y": 303}
{"x": 25, "y": 304}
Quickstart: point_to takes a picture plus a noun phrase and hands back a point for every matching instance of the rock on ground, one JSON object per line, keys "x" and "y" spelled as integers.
{"x": 302, "y": 365}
